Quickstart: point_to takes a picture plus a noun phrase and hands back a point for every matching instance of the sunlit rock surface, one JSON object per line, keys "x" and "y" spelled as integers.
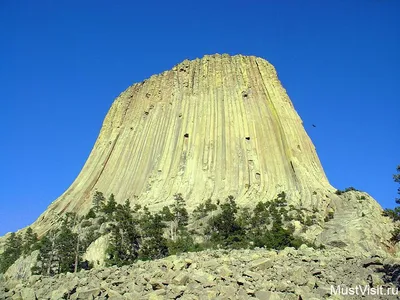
{"x": 212, "y": 127}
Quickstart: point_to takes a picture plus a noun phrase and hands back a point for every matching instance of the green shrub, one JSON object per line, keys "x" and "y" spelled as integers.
{"x": 101, "y": 220}
{"x": 91, "y": 214}
{"x": 184, "y": 243}
{"x": 203, "y": 209}
{"x": 310, "y": 220}
{"x": 86, "y": 223}
{"x": 329, "y": 216}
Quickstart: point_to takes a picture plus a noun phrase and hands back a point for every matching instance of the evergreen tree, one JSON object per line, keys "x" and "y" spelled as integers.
{"x": 98, "y": 201}
{"x": 70, "y": 220}
{"x": 12, "y": 252}
{"x": 111, "y": 206}
{"x": 181, "y": 216}
{"x": 244, "y": 217}
{"x": 180, "y": 213}
{"x": 225, "y": 229}
{"x": 91, "y": 214}
{"x": 278, "y": 238}
{"x": 124, "y": 245}
{"x": 394, "y": 214}
{"x": 261, "y": 217}
{"x": 65, "y": 246}
{"x": 203, "y": 209}
{"x": 184, "y": 243}
{"x": 154, "y": 245}
{"x": 29, "y": 241}
{"x": 396, "y": 178}
{"x": 46, "y": 254}
{"x": 60, "y": 250}
{"x": 166, "y": 214}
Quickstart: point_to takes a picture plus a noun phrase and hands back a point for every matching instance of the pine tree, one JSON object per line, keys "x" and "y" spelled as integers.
{"x": 110, "y": 206}
{"x": 203, "y": 208}
{"x": 12, "y": 252}
{"x": 166, "y": 214}
{"x": 154, "y": 245}
{"x": 60, "y": 250}
{"x": 261, "y": 216}
{"x": 29, "y": 241}
{"x": 98, "y": 201}
{"x": 65, "y": 246}
{"x": 180, "y": 216}
{"x": 44, "y": 260}
{"x": 47, "y": 259}
{"x": 396, "y": 178}
{"x": 394, "y": 214}
{"x": 91, "y": 214}
{"x": 225, "y": 229}
{"x": 184, "y": 243}
{"x": 124, "y": 245}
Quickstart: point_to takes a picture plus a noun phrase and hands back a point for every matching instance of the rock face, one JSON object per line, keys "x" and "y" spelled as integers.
{"x": 21, "y": 269}
{"x": 212, "y": 127}
{"x": 96, "y": 252}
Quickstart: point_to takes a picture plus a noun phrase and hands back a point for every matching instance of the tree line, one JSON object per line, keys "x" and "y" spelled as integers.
{"x": 139, "y": 234}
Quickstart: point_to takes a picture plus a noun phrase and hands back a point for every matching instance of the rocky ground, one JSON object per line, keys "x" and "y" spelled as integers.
{"x": 305, "y": 273}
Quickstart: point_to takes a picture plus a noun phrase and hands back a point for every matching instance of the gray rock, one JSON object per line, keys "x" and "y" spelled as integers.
{"x": 252, "y": 275}
{"x": 17, "y": 296}
{"x": 60, "y": 293}
{"x": 262, "y": 264}
{"x": 34, "y": 278}
{"x": 113, "y": 295}
{"x": 323, "y": 291}
{"x": 299, "y": 277}
{"x": 227, "y": 292}
{"x": 181, "y": 278}
{"x": 376, "y": 261}
{"x": 156, "y": 283}
{"x": 224, "y": 271}
{"x": 203, "y": 277}
{"x": 266, "y": 295}
{"x": 84, "y": 293}
{"x": 132, "y": 295}
{"x": 28, "y": 294}
{"x": 21, "y": 268}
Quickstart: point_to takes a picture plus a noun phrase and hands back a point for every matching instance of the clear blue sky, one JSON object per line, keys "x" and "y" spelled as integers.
{"x": 62, "y": 63}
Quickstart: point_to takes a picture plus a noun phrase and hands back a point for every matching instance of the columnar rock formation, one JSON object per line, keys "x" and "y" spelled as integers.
{"x": 212, "y": 127}
{"x": 217, "y": 126}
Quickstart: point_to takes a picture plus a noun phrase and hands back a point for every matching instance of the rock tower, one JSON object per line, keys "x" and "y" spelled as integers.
{"x": 211, "y": 127}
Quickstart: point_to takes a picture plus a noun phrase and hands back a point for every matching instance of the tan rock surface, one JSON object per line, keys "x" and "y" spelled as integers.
{"x": 96, "y": 252}
{"x": 212, "y": 127}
